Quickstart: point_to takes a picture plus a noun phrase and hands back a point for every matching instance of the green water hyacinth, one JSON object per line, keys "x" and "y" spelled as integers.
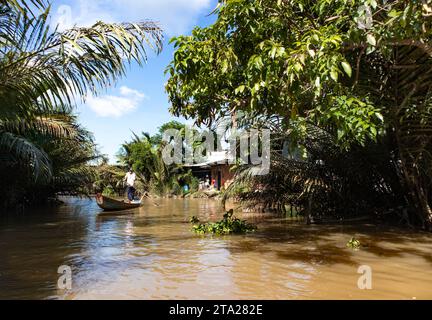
{"x": 228, "y": 225}
{"x": 354, "y": 243}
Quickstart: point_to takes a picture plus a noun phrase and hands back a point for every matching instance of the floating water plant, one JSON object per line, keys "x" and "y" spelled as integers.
{"x": 228, "y": 225}
{"x": 354, "y": 243}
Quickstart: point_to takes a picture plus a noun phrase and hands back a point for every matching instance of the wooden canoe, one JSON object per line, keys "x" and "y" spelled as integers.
{"x": 109, "y": 204}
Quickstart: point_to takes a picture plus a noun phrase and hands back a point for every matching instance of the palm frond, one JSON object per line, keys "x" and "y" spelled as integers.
{"x": 53, "y": 126}
{"x": 45, "y": 69}
{"x": 27, "y": 153}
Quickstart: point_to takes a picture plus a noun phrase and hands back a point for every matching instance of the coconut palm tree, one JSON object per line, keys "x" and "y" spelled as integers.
{"x": 43, "y": 74}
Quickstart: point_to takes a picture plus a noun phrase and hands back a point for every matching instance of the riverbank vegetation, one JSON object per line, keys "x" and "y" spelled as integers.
{"x": 44, "y": 72}
{"x": 144, "y": 155}
{"x": 109, "y": 179}
{"x": 348, "y": 82}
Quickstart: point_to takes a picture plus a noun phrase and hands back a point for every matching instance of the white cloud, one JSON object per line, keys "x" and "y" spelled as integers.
{"x": 116, "y": 106}
{"x": 125, "y": 91}
{"x": 175, "y": 16}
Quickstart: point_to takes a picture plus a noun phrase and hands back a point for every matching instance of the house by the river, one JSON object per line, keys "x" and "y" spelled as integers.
{"x": 216, "y": 169}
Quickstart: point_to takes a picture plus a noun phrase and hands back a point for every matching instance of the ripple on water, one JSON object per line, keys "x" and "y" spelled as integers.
{"x": 151, "y": 253}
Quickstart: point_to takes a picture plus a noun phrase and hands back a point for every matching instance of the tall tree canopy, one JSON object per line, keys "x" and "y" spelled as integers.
{"x": 361, "y": 69}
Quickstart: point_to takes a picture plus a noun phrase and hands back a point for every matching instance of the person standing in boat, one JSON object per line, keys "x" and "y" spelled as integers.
{"x": 130, "y": 182}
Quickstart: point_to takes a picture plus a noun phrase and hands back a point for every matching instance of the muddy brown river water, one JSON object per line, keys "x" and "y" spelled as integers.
{"x": 150, "y": 253}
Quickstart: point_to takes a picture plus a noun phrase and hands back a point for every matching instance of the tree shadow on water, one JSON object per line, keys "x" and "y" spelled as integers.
{"x": 322, "y": 254}
{"x": 326, "y": 244}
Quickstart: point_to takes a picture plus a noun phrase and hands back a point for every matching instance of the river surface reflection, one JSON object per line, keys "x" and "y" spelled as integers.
{"x": 150, "y": 253}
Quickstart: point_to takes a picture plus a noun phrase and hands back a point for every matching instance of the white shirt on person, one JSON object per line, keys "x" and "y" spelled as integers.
{"x": 130, "y": 179}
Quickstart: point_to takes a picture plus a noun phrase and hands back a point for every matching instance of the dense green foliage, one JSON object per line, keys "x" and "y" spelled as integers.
{"x": 43, "y": 151}
{"x": 228, "y": 225}
{"x": 274, "y": 57}
{"x": 45, "y": 156}
{"x": 144, "y": 155}
{"x": 109, "y": 179}
{"x": 350, "y": 81}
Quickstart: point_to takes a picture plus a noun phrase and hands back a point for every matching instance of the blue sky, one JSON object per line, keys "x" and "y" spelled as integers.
{"x": 138, "y": 102}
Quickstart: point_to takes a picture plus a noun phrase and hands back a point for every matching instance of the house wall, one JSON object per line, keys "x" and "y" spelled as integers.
{"x": 227, "y": 175}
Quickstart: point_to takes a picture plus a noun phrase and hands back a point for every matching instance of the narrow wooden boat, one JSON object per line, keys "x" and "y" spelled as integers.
{"x": 109, "y": 204}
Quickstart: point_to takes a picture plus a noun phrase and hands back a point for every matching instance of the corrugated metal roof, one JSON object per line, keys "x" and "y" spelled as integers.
{"x": 219, "y": 157}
